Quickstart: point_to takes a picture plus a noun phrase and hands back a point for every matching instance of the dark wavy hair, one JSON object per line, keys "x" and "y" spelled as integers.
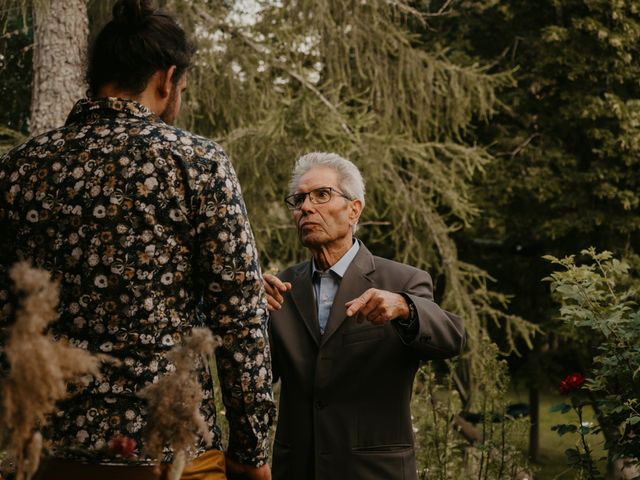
{"x": 135, "y": 44}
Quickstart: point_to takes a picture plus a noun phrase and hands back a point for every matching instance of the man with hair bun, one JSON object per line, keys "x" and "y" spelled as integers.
{"x": 348, "y": 330}
{"x": 146, "y": 229}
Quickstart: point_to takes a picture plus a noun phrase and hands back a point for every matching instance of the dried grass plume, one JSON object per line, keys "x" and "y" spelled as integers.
{"x": 174, "y": 402}
{"x": 39, "y": 368}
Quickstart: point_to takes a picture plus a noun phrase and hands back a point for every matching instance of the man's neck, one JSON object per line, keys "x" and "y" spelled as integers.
{"x": 145, "y": 97}
{"x": 326, "y": 256}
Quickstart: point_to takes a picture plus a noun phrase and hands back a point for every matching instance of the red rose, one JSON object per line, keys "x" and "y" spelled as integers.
{"x": 122, "y": 446}
{"x": 572, "y": 383}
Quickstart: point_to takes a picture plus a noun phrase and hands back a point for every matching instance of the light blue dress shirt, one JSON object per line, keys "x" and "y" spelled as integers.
{"x": 326, "y": 283}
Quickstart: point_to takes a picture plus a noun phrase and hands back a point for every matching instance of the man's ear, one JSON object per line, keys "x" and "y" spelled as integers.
{"x": 356, "y": 210}
{"x": 166, "y": 82}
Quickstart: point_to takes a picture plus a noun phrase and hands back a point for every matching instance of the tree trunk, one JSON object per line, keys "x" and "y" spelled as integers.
{"x": 534, "y": 416}
{"x": 61, "y": 31}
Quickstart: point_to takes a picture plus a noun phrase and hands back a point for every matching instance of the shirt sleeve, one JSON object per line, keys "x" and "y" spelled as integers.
{"x": 235, "y": 306}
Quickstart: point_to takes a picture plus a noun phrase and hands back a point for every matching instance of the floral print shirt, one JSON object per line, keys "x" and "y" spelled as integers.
{"x": 145, "y": 227}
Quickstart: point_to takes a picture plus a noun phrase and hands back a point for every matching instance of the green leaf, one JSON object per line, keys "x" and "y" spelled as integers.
{"x": 560, "y": 407}
{"x": 572, "y": 453}
{"x": 564, "y": 428}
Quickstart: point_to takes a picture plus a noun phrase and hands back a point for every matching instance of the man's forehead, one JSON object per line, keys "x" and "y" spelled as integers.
{"x": 318, "y": 177}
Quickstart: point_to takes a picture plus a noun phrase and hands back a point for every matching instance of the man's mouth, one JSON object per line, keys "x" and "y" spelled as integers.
{"x": 307, "y": 224}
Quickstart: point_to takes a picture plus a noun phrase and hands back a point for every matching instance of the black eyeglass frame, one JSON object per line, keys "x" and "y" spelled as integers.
{"x": 296, "y": 200}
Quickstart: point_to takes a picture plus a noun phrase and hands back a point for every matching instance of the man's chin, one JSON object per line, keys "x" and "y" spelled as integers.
{"x": 309, "y": 240}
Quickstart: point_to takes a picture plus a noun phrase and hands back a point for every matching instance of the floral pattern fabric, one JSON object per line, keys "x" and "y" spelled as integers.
{"x": 145, "y": 227}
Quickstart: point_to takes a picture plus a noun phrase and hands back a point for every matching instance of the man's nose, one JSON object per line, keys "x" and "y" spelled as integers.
{"x": 307, "y": 205}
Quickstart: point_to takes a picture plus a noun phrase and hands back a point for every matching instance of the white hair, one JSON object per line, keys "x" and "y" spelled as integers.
{"x": 350, "y": 180}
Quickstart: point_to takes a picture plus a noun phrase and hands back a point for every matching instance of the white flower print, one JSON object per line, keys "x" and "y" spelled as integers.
{"x": 99, "y": 211}
{"x": 148, "y": 168}
{"x": 175, "y": 215}
{"x": 166, "y": 278}
{"x": 100, "y": 281}
{"x": 151, "y": 183}
{"x": 93, "y": 260}
{"x": 148, "y": 304}
{"x": 32, "y": 216}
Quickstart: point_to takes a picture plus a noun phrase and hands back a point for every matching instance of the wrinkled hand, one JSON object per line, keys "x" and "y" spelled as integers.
{"x": 378, "y": 306}
{"x": 275, "y": 288}
{"x": 247, "y": 471}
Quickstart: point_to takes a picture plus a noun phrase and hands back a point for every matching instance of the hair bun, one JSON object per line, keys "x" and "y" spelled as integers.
{"x": 132, "y": 12}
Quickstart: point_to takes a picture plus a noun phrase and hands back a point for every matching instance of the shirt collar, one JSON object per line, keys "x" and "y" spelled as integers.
{"x": 340, "y": 267}
{"x": 86, "y": 108}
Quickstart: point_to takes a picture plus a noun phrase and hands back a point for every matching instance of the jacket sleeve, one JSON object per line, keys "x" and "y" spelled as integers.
{"x": 235, "y": 306}
{"x": 439, "y": 334}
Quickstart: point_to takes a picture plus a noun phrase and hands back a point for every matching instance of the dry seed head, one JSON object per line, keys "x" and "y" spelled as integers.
{"x": 39, "y": 368}
{"x": 173, "y": 402}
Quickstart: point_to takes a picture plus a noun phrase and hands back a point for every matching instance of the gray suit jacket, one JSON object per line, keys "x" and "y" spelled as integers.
{"x": 345, "y": 396}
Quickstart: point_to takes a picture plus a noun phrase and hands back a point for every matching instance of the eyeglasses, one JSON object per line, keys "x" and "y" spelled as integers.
{"x": 317, "y": 196}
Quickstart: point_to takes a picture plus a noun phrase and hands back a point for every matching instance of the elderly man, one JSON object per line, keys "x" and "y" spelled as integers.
{"x": 348, "y": 330}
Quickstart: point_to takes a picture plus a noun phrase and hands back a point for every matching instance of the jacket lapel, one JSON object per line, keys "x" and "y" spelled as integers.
{"x": 354, "y": 283}
{"x": 304, "y": 299}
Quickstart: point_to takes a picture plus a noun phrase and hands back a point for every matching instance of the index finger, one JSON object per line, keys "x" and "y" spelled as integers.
{"x": 354, "y": 306}
{"x": 276, "y": 283}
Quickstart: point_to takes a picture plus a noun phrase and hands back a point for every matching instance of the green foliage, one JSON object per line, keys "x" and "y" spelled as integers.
{"x": 442, "y": 452}
{"x": 599, "y": 308}
{"x": 565, "y": 143}
{"x": 439, "y": 448}
{"x": 569, "y": 140}
{"x": 580, "y": 457}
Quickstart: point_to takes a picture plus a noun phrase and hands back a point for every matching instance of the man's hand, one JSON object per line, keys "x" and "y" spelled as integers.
{"x": 247, "y": 471}
{"x": 275, "y": 288}
{"x": 378, "y": 306}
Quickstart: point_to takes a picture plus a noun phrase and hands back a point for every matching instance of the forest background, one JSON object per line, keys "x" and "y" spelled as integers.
{"x": 490, "y": 133}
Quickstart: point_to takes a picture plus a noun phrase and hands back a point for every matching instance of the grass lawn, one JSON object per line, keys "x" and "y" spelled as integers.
{"x": 552, "y": 463}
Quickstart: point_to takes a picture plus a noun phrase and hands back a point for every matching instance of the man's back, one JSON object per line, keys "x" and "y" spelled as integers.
{"x": 144, "y": 225}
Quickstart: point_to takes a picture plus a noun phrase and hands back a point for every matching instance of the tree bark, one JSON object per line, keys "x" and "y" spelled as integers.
{"x": 61, "y": 31}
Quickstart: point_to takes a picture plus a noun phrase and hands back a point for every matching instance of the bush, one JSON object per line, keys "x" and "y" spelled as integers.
{"x": 598, "y": 307}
